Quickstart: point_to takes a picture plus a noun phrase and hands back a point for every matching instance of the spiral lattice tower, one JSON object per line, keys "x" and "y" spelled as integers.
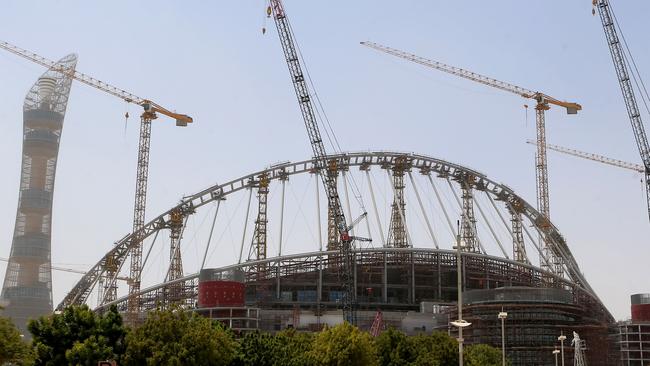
{"x": 27, "y": 288}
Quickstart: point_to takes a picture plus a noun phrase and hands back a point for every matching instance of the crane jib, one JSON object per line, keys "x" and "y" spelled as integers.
{"x": 620, "y": 66}
{"x": 318, "y": 148}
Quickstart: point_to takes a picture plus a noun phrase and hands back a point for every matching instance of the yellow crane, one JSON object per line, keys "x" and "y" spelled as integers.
{"x": 150, "y": 112}
{"x": 543, "y": 103}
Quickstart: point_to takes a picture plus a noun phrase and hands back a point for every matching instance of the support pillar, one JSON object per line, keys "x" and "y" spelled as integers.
{"x": 397, "y": 237}
{"x": 176, "y": 291}
{"x": 518, "y": 247}
{"x": 333, "y": 240}
{"x": 260, "y": 234}
{"x": 468, "y": 220}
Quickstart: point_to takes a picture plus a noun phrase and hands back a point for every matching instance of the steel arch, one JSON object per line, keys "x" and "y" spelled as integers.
{"x": 425, "y": 164}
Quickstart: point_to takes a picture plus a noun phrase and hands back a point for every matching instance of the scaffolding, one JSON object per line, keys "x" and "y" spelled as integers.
{"x": 536, "y": 317}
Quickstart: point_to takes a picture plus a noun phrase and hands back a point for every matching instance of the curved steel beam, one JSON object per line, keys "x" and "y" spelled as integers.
{"x": 425, "y": 164}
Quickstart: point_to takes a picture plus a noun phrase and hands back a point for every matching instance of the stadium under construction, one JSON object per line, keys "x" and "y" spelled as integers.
{"x": 413, "y": 288}
{"x": 426, "y": 231}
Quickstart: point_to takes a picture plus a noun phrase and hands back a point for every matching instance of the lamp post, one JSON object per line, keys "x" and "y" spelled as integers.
{"x": 503, "y": 315}
{"x": 555, "y": 353}
{"x": 460, "y": 323}
{"x": 562, "y": 338}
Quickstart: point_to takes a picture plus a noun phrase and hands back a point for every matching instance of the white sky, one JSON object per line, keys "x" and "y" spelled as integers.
{"x": 210, "y": 60}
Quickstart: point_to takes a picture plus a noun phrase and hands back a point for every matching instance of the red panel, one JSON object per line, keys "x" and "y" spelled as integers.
{"x": 221, "y": 293}
{"x": 641, "y": 312}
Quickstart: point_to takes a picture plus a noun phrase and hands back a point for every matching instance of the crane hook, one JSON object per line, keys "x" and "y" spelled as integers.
{"x": 593, "y": 7}
{"x": 126, "y": 121}
{"x": 526, "y": 108}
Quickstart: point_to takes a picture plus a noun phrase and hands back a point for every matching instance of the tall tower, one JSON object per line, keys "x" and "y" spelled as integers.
{"x": 27, "y": 288}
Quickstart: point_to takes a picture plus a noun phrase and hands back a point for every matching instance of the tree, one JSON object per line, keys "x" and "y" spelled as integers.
{"x": 285, "y": 348}
{"x": 435, "y": 349}
{"x": 12, "y": 347}
{"x": 394, "y": 348}
{"x": 343, "y": 344}
{"x": 78, "y": 336}
{"x": 482, "y": 355}
{"x": 89, "y": 351}
{"x": 257, "y": 349}
{"x": 178, "y": 337}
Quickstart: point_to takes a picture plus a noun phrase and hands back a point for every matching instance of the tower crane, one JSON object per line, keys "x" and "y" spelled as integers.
{"x": 276, "y": 9}
{"x": 544, "y": 103}
{"x": 623, "y": 75}
{"x": 150, "y": 113}
{"x": 594, "y": 157}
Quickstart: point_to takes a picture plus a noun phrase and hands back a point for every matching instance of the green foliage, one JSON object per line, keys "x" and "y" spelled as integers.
{"x": 343, "y": 344}
{"x": 177, "y": 337}
{"x": 77, "y": 336}
{"x": 257, "y": 349}
{"x": 285, "y": 348}
{"x": 89, "y": 351}
{"x": 435, "y": 349}
{"x": 397, "y": 349}
{"x": 482, "y": 355}
{"x": 394, "y": 348}
{"x": 295, "y": 347}
{"x": 12, "y": 347}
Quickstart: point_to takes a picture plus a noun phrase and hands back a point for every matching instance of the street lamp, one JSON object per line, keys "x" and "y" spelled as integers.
{"x": 555, "y": 353}
{"x": 562, "y": 338}
{"x": 460, "y": 323}
{"x": 503, "y": 315}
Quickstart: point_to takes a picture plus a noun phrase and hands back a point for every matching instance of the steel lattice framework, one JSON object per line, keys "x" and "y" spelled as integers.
{"x": 259, "y": 237}
{"x": 27, "y": 287}
{"x": 397, "y": 232}
{"x": 428, "y": 166}
{"x": 620, "y": 65}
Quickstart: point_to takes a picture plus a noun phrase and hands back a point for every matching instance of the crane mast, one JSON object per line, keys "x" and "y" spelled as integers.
{"x": 299, "y": 81}
{"x": 633, "y": 112}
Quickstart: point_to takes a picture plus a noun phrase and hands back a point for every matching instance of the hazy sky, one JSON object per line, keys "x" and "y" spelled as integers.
{"x": 211, "y": 60}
